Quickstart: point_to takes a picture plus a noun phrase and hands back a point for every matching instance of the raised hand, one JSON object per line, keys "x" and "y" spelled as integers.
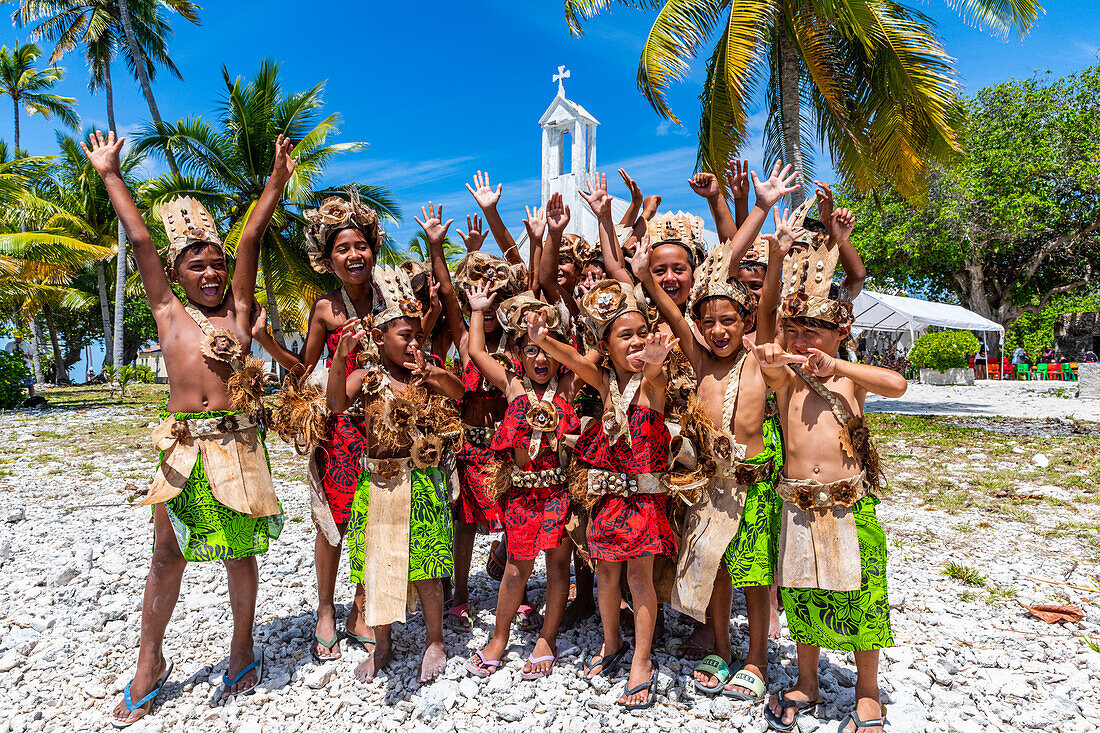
{"x": 705, "y": 184}
{"x": 434, "y": 228}
{"x": 639, "y": 263}
{"x": 483, "y": 192}
{"x": 632, "y": 186}
{"x": 536, "y": 327}
{"x": 103, "y": 154}
{"x": 784, "y": 228}
{"x": 820, "y": 364}
{"x": 650, "y": 205}
{"x": 557, "y": 214}
{"x": 588, "y": 283}
{"x": 350, "y": 335}
{"x": 259, "y": 320}
{"x": 476, "y": 236}
{"x": 419, "y": 368}
{"x": 596, "y": 195}
{"x": 771, "y": 355}
{"x": 841, "y": 224}
{"x": 824, "y": 201}
{"x": 737, "y": 177}
{"x": 779, "y": 184}
{"x": 283, "y": 167}
{"x": 657, "y": 346}
{"x": 535, "y": 223}
{"x": 480, "y": 299}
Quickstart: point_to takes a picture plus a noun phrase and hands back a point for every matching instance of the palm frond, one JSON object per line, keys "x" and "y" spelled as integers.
{"x": 577, "y": 12}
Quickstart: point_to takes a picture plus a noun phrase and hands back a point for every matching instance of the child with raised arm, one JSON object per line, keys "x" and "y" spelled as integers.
{"x": 528, "y": 477}
{"x": 482, "y": 406}
{"x": 617, "y": 470}
{"x": 736, "y": 525}
{"x": 832, "y": 554}
{"x": 212, "y": 497}
{"x": 399, "y": 524}
{"x": 342, "y": 239}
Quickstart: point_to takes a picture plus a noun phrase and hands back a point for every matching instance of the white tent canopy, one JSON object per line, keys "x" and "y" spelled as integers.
{"x": 881, "y": 312}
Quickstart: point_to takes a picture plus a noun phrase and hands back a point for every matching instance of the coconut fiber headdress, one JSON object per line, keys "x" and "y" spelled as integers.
{"x": 397, "y": 296}
{"x": 808, "y": 278}
{"x": 334, "y": 214}
{"x": 608, "y": 300}
{"x": 712, "y": 280}
{"x": 578, "y": 250}
{"x": 757, "y": 253}
{"x": 187, "y": 222}
{"x": 681, "y": 229}
{"x": 512, "y": 313}
{"x": 483, "y": 269}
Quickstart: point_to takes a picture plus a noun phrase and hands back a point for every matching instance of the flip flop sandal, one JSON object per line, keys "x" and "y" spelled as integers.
{"x": 800, "y": 707}
{"x": 149, "y": 699}
{"x": 533, "y": 660}
{"x": 484, "y": 668}
{"x": 459, "y": 619}
{"x": 607, "y": 664}
{"x": 330, "y": 645}
{"x": 854, "y": 717}
{"x": 717, "y": 667}
{"x": 223, "y": 694}
{"x": 690, "y": 650}
{"x": 362, "y": 641}
{"x": 650, "y": 699}
{"x": 493, "y": 568}
{"x": 527, "y": 619}
{"x": 748, "y": 680}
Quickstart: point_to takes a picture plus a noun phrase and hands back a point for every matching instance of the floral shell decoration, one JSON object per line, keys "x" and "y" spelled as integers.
{"x": 609, "y": 299}
{"x": 336, "y": 213}
{"x": 483, "y": 269}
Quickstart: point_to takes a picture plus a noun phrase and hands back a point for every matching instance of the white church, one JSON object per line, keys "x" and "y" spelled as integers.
{"x": 569, "y": 134}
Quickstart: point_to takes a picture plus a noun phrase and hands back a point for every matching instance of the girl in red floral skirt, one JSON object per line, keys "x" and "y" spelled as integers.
{"x": 617, "y": 469}
{"x": 529, "y": 479}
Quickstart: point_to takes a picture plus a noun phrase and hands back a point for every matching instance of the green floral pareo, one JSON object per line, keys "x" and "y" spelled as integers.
{"x": 848, "y": 620}
{"x": 205, "y": 528}
{"x": 430, "y": 531}
{"x": 751, "y": 557}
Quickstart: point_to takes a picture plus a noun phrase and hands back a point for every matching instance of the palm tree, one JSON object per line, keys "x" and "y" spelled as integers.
{"x": 868, "y": 78}
{"x": 29, "y": 87}
{"x": 418, "y": 250}
{"x": 98, "y": 26}
{"x": 227, "y": 167}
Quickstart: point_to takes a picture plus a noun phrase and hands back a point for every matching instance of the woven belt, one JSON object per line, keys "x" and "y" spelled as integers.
{"x": 746, "y": 474}
{"x": 202, "y": 427}
{"x": 810, "y": 494}
{"x": 602, "y": 482}
{"x": 476, "y": 436}
{"x": 538, "y": 479}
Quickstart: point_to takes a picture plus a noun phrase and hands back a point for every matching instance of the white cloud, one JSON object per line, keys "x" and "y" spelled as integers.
{"x": 399, "y": 175}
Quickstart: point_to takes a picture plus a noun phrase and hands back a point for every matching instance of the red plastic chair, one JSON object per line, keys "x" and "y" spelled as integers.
{"x": 1054, "y": 371}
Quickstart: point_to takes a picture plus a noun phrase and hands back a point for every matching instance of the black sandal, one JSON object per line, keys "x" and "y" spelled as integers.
{"x": 650, "y": 699}
{"x": 607, "y": 664}
{"x": 854, "y": 717}
{"x": 800, "y": 707}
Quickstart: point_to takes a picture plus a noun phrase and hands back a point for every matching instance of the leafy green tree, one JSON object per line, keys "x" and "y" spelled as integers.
{"x": 869, "y": 78}
{"x": 1014, "y": 223}
{"x": 29, "y": 87}
{"x": 227, "y": 166}
{"x": 1033, "y": 331}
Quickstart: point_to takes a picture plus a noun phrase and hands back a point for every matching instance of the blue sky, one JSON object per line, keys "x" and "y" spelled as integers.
{"x": 441, "y": 89}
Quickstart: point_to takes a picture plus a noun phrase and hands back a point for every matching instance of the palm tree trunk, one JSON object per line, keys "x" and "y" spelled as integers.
{"x": 109, "y": 92}
{"x": 272, "y": 305}
{"x": 143, "y": 75}
{"x": 790, "y": 111}
{"x": 120, "y": 295}
{"x": 36, "y": 358}
{"x": 104, "y": 310}
{"x": 15, "y": 105}
{"x": 60, "y": 373}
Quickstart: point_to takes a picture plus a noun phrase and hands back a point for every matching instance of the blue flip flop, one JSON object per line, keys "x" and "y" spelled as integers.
{"x": 224, "y": 693}
{"x": 151, "y": 697}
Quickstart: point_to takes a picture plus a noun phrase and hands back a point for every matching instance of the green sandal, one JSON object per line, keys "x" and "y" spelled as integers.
{"x": 717, "y": 667}
{"x": 330, "y": 645}
{"x": 748, "y": 680}
{"x": 362, "y": 641}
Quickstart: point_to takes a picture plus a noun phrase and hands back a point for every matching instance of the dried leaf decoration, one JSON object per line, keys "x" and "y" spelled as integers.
{"x": 1055, "y": 614}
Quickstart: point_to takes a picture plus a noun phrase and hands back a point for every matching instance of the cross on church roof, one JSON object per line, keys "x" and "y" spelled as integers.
{"x": 559, "y": 77}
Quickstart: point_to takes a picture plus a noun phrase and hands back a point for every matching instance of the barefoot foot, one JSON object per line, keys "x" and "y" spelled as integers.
{"x": 369, "y": 669}
{"x": 434, "y": 662}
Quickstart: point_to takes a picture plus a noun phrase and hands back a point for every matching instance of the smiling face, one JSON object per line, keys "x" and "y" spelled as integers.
{"x": 803, "y": 334}
{"x": 625, "y": 341}
{"x": 351, "y": 257}
{"x": 202, "y": 272}
{"x": 722, "y": 325}
{"x": 672, "y": 271}
{"x": 398, "y": 341}
{"x": 539, "y": 367}
{"x": 752, "y": 276}
{"x": 567, "y": 275}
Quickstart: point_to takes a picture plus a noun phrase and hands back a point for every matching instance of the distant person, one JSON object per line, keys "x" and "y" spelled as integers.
{"x": 1046, "y": 356}
{"x": 1019, "y": 356}
{"x": 1090, "y": 357}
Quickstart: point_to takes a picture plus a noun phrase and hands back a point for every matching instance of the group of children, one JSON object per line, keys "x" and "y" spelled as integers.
{"x": 672, "y": 422}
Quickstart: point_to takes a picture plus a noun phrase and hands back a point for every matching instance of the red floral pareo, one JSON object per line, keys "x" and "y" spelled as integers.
{"x": 341, "y": 453}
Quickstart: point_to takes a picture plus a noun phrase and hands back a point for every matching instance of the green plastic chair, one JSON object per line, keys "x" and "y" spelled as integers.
{"x": 1041, "y": 371}
{"x": 1023, "y": 372}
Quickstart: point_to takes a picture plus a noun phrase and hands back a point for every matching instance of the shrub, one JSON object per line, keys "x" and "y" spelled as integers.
{"x": 943, "y": 350}
{"x": 142, "y": 373}
{"x": 13, "y": 370}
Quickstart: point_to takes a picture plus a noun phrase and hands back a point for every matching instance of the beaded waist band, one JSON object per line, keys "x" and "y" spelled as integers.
{"x": 807, "y": 494}
{"x": 538, "y": 479}
{"x": 477, "y": 436}
{"x": 602, "y": 482}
